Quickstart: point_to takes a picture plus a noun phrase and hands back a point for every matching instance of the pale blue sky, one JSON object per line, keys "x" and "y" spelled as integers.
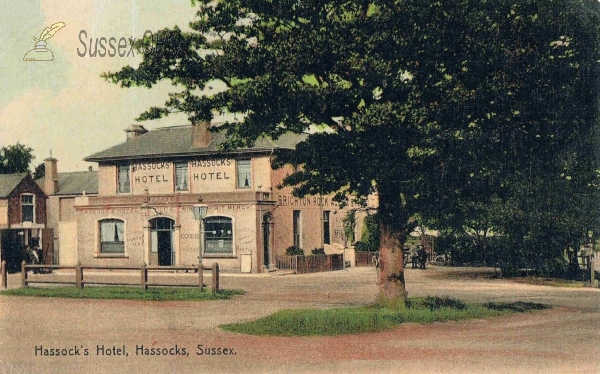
{"x": 64, "y": 105}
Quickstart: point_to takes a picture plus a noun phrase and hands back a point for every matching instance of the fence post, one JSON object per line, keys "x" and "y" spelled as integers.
{"x": 295, "y": 264}
{"x": 78, "y": 275}
{"x": 215, "y": 278}
{"x": 23, "y": 274}
{"x": 201, "y": 276}
{"x": 144, "y": 274}
{"x": 4, "y": 275}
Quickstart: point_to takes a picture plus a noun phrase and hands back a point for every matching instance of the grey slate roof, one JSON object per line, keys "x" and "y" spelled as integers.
{"x": 8, "y": 182}
{"x": 177, "y": 141}
{"x": 75, "y": 183}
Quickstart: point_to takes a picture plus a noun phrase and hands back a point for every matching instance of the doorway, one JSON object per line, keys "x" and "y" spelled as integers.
{"x": 161, "y": 241}
{"x": 266, "y": 224}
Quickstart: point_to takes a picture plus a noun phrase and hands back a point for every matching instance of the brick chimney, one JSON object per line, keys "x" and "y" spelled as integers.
{"x": 201, "y": 135}
{"x": 133, "y": 131}
{"x": 50, "y": 176}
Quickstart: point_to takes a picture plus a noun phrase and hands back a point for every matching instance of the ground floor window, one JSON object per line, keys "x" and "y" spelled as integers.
{"x": 112, "y": 232}
{"x": 326, "y": 229}
{"x": 218, "y": 236}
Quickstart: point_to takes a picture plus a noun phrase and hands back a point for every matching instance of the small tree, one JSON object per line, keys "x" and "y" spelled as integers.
{"x": 15, "y": 158}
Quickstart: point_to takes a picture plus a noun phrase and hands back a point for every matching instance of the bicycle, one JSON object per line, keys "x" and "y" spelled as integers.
{"x": 442, "y": 259}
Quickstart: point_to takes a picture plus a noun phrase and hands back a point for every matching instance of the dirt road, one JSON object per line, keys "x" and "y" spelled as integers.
{"x": 100, "y": 336}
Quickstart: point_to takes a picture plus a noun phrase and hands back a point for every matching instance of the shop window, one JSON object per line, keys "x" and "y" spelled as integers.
{"x": 181, "y": 176}
{"x": 112, "y": 232}
{"x": 218, "y": 236}
{"x": 244, "y": 176}
{"x": 27, "y": 208}
{"x": 123, "y": 179}
{"x": 326, "y": 227}
{"x": 297, "y": 228}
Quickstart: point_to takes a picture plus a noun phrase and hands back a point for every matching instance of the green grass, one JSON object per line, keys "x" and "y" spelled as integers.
{"x": 366, "y": 319}
{"x": 124, "y": 293}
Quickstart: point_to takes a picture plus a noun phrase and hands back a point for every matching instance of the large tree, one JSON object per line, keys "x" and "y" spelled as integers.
{"x": 425, "y": 103}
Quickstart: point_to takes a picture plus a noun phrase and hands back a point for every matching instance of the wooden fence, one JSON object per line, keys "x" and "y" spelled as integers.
{"x": 311, "y": 264}
{"x": 79, "y": 281}
{"x": 363, "y": 258}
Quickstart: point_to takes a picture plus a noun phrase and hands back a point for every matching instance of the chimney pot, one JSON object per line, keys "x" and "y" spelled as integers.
{"x": 133, "y": 131}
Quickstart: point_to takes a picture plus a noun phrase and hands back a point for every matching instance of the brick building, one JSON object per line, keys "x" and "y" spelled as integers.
{"x": 148, "y": 185}
{"x": 22, "y": 219}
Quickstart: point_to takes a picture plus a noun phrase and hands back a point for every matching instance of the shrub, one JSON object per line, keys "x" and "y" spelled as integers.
{"x": 365, "y": 247}
{"x": 437, "y": 302}
{"x": 508, "y": 270}
{"x": 518, "y": 306}
{"x": 318, "y": 251}
{"x": 370, "y": 231}
{"x": 294, "y": 251}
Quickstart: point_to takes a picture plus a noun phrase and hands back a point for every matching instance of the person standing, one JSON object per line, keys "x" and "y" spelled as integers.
{"x": 422, "y": 257}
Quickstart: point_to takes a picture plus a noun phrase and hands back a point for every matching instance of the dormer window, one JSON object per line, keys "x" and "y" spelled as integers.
{"x": 28, "y": 208}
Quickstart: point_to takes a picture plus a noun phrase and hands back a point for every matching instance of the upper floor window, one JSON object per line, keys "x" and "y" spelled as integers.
{"x": 112, "y": 232}
{"x": 28, "y": 207}
{"x": 297, "y": 228}
{"x": 124, "y": 181}
{"x": 244, "y": 176}
{"x": 181, "y": 176}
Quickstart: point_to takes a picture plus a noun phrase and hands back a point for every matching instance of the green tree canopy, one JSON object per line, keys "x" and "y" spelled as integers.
{"x": 430, "y": 104}
{"x": 15, "y": 158}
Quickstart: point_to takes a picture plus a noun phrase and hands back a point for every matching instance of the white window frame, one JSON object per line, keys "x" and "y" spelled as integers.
{"x": 239, "y": 178}
{"x": 32, "y": 204}
{"x": 128, "y": 184}
{"x": 117, "y": 232}
{"x": 227, "y": 237}
{"x": 297, "y": 228}
{"x": 181, "y": 165}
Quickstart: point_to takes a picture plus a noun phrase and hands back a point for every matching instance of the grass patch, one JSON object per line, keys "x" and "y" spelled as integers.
{"x": 124, "y": 293}
{"x": 340, "y": 321}
{"x": 553, "y": 282}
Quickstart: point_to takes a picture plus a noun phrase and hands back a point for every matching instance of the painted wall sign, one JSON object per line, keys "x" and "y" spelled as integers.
{"x": 156, "y": 176}
{"x": 212, "y": 175}
{"x": 318, "y": 201}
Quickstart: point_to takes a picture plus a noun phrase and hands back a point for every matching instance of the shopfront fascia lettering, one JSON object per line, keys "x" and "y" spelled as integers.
{"x": 230, "y": 207}
{"x": 152, "y": 172}
{"x": 319, "y": 201}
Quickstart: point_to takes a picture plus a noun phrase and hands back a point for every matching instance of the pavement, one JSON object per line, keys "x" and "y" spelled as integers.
{"x": 40, "y": 335}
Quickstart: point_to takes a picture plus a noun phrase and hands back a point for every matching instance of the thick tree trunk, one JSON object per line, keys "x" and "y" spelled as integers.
{"x": 392, "y": 224}
{"x": 392, "y": 290}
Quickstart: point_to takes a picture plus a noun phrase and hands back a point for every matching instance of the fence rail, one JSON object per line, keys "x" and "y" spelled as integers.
{"x": 311, "y": 264}
{"x": 142, "y": 270}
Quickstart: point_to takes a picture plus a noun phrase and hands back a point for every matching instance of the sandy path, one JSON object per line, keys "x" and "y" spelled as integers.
{"x": 561, "y": 340}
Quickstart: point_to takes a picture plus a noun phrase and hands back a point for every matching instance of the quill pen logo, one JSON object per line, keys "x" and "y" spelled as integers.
{"x": 40, "y": 52}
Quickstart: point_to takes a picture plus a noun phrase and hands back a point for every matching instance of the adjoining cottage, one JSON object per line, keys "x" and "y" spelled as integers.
{"x": 61, "y": 190}
{"x": 148, "y": 186}
{"x": 22, "y": 219}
